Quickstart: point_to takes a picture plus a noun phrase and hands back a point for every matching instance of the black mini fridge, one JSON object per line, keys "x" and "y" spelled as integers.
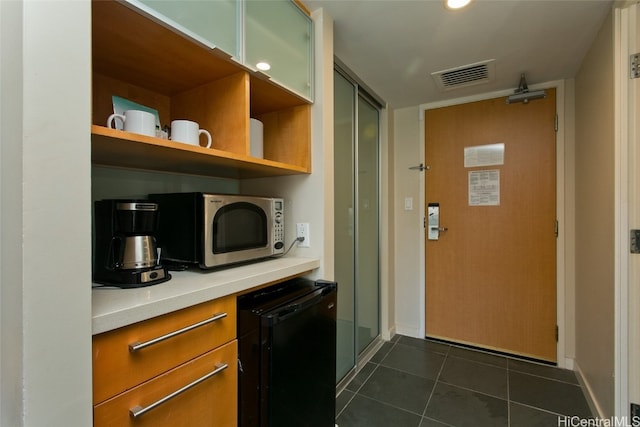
{"x": 287, "y": 355}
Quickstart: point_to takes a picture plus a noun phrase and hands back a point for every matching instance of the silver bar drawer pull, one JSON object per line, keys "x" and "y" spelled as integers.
{"x": 135, "y": 346}
{"x": 137, "y": 411}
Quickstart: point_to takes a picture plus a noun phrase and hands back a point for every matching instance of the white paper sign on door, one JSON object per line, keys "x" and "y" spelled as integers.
{"x": 484, "y": 188}
{"x": 484, "y": 155}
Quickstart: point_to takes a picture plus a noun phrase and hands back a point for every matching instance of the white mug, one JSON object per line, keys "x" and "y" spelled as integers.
{"x": 136, "y": 121}
{"x": 256, "y": 138}
{"x": 188, "y": 132}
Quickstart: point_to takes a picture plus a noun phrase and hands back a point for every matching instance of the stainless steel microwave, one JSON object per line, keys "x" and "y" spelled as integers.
{"x": 213, "y": 230}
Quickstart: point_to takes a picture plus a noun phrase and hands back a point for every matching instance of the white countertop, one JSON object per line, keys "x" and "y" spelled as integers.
{"x": 114, "y": 308}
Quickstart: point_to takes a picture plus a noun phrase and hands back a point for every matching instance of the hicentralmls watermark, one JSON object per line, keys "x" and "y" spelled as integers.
{"x": 575, "y": 421}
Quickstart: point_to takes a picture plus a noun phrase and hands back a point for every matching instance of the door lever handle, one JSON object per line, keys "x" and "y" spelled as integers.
{"x": 440, "y": 229}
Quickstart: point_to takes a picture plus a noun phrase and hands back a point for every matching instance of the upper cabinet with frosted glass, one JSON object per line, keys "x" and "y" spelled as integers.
{"x": 213, "y": 23}
{"x": 276, "y": 33}
{"x": 279, "y": 34}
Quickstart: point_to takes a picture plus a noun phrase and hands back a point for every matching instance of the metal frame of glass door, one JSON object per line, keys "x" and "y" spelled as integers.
{"x": 362, "y": 92}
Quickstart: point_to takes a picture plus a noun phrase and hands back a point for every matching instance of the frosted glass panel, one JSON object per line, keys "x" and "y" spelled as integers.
{"x": 214, "y": 21}
{"x": 356, "y": 220}
{"x": 279, "y": 33}
{"x": 367, "y": 228}
{"x": 344, "y": 112}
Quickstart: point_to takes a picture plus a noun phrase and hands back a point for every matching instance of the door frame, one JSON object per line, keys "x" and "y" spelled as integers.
{"x": 564, "y": 209}
{"x": 627, "y": 204}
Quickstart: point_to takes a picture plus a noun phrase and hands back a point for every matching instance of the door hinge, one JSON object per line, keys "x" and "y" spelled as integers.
{"x": 634, "y": 63}
{"x": 424, "y": 222}
{"x": 556, "y": 123}
{"x": 557, "y": 333}
{"x": 556, "y": 228}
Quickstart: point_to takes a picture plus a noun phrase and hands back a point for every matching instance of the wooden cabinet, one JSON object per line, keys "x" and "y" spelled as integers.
{"x": 140, "y": 59}
{"x": 193, "y": 350}
{"x": 280, "y": 34}
{"x": 209, "y": 397}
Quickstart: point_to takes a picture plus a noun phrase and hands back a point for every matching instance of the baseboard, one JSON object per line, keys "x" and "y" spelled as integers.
{"x": 568, "y": 364}
{"x": 408, "y": 330}
{"x": 593, "y": 403}
{"x": 387, "y": 335}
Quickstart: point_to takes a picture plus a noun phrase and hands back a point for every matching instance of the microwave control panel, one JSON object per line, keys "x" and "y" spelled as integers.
{"x": 278, "y": 225}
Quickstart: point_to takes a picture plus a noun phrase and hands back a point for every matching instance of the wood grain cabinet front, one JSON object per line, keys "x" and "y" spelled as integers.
{"x": 128, "y": 356}
{"x": 202, "y": 392}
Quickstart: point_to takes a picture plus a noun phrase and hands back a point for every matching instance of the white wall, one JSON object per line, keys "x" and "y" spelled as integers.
{"x": 569, "y": 227}
{"x": 46, "y": 274}
{"x": 11, "y": 104}
{"x": 595, "y": 220}
{"x": 388, "y": 254}
{"x": 114, "y": 183}
{"x": 409, "y": 265}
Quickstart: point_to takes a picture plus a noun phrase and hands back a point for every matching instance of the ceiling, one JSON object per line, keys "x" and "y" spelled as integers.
{"x": 393, "y": 46}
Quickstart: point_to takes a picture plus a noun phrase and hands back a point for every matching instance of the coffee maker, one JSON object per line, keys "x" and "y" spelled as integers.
{"x": 125, "y": 251}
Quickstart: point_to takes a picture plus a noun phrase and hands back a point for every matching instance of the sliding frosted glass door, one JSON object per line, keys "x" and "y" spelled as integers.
{"x": 367, "y": 225}
{"x": 356, "y": 219}
{"x": 344, "y": 134}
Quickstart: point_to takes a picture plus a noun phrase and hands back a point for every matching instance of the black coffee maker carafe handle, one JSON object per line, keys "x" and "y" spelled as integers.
{"x": 115, "y": 253}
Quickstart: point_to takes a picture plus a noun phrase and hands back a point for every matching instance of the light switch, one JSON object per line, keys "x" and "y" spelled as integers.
{"x": 408, "y": 203}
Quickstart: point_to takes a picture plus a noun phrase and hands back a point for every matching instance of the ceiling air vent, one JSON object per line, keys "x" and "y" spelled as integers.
{"x": 468, "y": 75}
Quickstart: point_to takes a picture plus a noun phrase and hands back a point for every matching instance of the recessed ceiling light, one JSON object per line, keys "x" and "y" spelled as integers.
{"x": 456, "y": 4}
{"x": 263, "y": 66}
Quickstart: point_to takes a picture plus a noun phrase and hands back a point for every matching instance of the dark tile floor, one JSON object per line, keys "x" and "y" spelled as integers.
{"x": 412, "y": 382}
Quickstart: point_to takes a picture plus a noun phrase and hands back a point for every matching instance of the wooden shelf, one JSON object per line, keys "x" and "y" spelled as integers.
{"x": 117, "y": 148}
{"x": 138, "y": 57}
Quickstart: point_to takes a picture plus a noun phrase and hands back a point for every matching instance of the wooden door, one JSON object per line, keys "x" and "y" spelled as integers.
{"x": 491, "y": 276}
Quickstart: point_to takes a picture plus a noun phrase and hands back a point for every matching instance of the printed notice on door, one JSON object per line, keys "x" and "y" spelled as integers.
{"x": 484, "y": 155}
{"x": 484, "y": 188}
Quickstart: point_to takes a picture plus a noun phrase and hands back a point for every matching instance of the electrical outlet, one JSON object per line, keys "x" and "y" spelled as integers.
{"x": 302, "y": 230}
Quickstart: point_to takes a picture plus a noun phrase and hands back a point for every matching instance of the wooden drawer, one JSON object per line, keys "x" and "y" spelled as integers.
{"x": 211, "y": 402}
{"x": 117, "y": 368}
